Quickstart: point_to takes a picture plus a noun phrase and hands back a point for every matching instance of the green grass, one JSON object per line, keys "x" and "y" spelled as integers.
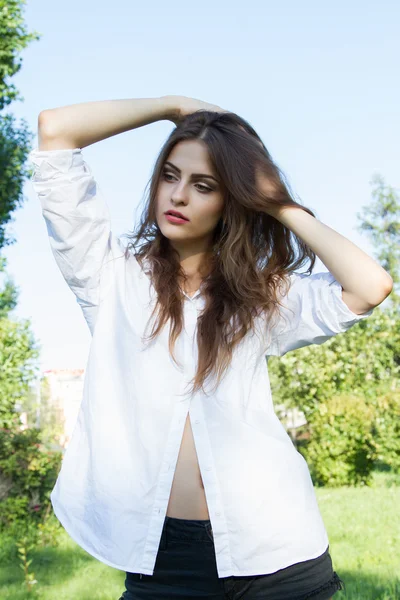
{"x": 363, "y": 527}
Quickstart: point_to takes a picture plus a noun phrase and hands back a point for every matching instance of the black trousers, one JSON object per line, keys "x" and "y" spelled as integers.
{"x": 186, "y": 568}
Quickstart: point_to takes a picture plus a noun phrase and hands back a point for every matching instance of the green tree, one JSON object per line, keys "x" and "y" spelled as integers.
{"x": 14, "y": 139}
{"x": 27, "y": 469}
{"x": 18, "y": 352}
{"x": 380, "y": 221}
{"x": 347, "y": 386}
{"x": 18, "y": 359}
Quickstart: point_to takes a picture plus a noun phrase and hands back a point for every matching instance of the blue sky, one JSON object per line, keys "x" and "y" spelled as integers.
{"x": 319, "y": 83}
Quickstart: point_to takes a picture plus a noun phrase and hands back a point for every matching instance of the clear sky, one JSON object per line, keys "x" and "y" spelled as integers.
{"x": 318, "y": 81}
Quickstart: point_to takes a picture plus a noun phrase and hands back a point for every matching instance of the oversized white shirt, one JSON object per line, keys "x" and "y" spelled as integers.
{"x": 112, "y": 492}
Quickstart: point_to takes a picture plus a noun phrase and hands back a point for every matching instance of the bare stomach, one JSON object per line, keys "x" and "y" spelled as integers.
{"x": 187, "y": 499}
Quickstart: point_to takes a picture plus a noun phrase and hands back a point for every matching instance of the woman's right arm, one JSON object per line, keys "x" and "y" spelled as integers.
{"x": 76, "y": 213}
{"x": 80, "y": 125}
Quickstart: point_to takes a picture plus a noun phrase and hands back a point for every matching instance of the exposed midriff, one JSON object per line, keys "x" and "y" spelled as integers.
{"x": 187, "y": 499}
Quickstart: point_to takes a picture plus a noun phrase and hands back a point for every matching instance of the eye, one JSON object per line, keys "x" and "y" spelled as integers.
{"x": 204, "y": 190}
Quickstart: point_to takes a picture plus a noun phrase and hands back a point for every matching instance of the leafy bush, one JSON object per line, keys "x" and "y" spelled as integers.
{"x": 362, "y": 359}
{"x": 386, "y": 430}
{"x": 340, "y": 450}
{"x": 18, "y": 356}
{"x": 349, "y": 433}
{"x": 28, "y": 472}
{"x": 348, "y": 390}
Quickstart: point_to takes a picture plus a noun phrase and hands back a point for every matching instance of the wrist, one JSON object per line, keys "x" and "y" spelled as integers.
{"x": 170, "y": 107}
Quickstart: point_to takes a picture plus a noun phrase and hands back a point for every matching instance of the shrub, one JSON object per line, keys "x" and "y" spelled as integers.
{"x": 340, "y": 450}
{"x": 386, "y": 429}
{"x": 28, "y": 472}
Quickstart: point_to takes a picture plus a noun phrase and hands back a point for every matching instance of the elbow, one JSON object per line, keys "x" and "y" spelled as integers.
{"x": 381, "y": 294}
{"x": 360, "y": 305}
{"x": 386, "y": 289}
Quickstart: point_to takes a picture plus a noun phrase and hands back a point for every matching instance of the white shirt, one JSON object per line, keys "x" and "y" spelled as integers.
{"x": 113, "y": 488}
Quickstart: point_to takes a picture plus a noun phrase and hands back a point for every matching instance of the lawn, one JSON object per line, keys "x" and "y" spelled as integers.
{"x": 363, "y": 525}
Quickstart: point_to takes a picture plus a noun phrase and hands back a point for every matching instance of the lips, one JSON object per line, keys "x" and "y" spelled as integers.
{"x": 174, "y": 213}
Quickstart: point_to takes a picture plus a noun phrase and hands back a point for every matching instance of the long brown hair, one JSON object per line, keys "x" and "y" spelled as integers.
{"x": 253, "y": 253}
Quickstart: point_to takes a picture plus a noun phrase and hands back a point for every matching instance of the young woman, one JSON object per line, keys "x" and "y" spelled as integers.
{"x": 194, "y": 493}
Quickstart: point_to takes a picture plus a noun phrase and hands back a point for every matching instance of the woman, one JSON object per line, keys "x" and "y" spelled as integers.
{"x": 194, "y": 493}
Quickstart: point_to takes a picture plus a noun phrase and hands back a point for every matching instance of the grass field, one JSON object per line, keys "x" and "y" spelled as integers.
{"x": 363, "y": 526}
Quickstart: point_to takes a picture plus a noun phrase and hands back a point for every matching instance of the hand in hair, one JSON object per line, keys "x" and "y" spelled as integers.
{"x": 269, "y": 189}
{"x": 184, "y": 106}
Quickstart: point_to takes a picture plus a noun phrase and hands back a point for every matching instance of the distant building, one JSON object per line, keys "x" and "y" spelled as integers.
{"x": 66, "y": 390}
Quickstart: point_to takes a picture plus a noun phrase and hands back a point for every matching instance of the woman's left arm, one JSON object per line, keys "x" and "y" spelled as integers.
{"x": 365, "y": 283}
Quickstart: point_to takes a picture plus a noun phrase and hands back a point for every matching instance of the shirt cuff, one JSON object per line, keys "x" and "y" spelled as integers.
{"x": 345, "y": 316}
{"x": 47, "y": 163}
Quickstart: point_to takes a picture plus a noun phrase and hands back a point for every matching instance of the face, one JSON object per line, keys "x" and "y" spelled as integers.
{"x": 189, "y": 185}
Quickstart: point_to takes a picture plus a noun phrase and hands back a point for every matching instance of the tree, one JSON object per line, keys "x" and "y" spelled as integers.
{"x": 380, "y": 220}
{"x": 14, "y": 140}
{"x": 346, "y": 387}
{"x": 28, "y": 470}
{"x": 18, "y": 351}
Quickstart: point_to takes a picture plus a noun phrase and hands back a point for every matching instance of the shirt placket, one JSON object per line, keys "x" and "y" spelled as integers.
{"x": 174, "y": 440}
{"x": 203, "y": 447}
{"x": 192, "y": 405}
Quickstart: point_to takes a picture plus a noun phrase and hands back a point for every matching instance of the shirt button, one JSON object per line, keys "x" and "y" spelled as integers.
{"x": 218, "y": 514}
{"x": 197, "y": 421}
{"x": 208, "y": 468}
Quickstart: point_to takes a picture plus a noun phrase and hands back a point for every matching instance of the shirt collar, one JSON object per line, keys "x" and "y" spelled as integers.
{"x": 147, "y": 266}
{"x": 195, "y": 295}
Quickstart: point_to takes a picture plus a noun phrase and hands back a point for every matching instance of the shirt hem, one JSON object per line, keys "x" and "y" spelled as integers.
{"x": 83, "y": 545}
{"x": 124, "y": 568}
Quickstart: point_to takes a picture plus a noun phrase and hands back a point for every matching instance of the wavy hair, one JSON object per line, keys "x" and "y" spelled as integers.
{"x": 253, "y": 253}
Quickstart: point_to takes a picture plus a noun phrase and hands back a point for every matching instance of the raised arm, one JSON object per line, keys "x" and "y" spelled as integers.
{"x": 80, "y": 125}
{"x": 76, "y": 214}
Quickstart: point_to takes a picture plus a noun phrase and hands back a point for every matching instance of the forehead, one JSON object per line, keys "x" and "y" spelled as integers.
{"x": 190, "y": 155}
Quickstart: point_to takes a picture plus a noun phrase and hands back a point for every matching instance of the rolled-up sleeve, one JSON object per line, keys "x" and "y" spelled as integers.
{"x": 313, "y": 312}
{"x": 78, "y": 224}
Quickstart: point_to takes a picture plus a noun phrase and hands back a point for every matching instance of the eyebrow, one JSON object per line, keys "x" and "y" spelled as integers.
{"x": 193, "y": 174}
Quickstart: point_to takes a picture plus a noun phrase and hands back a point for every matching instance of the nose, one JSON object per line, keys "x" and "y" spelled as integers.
{"x": 179, "y": 193}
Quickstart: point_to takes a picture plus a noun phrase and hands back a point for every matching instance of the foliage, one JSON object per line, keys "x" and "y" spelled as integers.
{"x": 27, "y": 473}
{"x": 14, "y": 140}
{"x": 9, "y": 293}
{"x": 15, "y": 144}
{"x": 360, "y": 359}
{"x": 17, "y": 350}
{"x": 340, "y": 449}
{"x": 347, "y": 390}
{"x": 386, "y": 430}
{"x": 24, "y": 546}
{"x": 18, "y": 354}
{"x": 27, "y": 470}
{"x": 13, "y": 38}
{"x": 380, "y": 220}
